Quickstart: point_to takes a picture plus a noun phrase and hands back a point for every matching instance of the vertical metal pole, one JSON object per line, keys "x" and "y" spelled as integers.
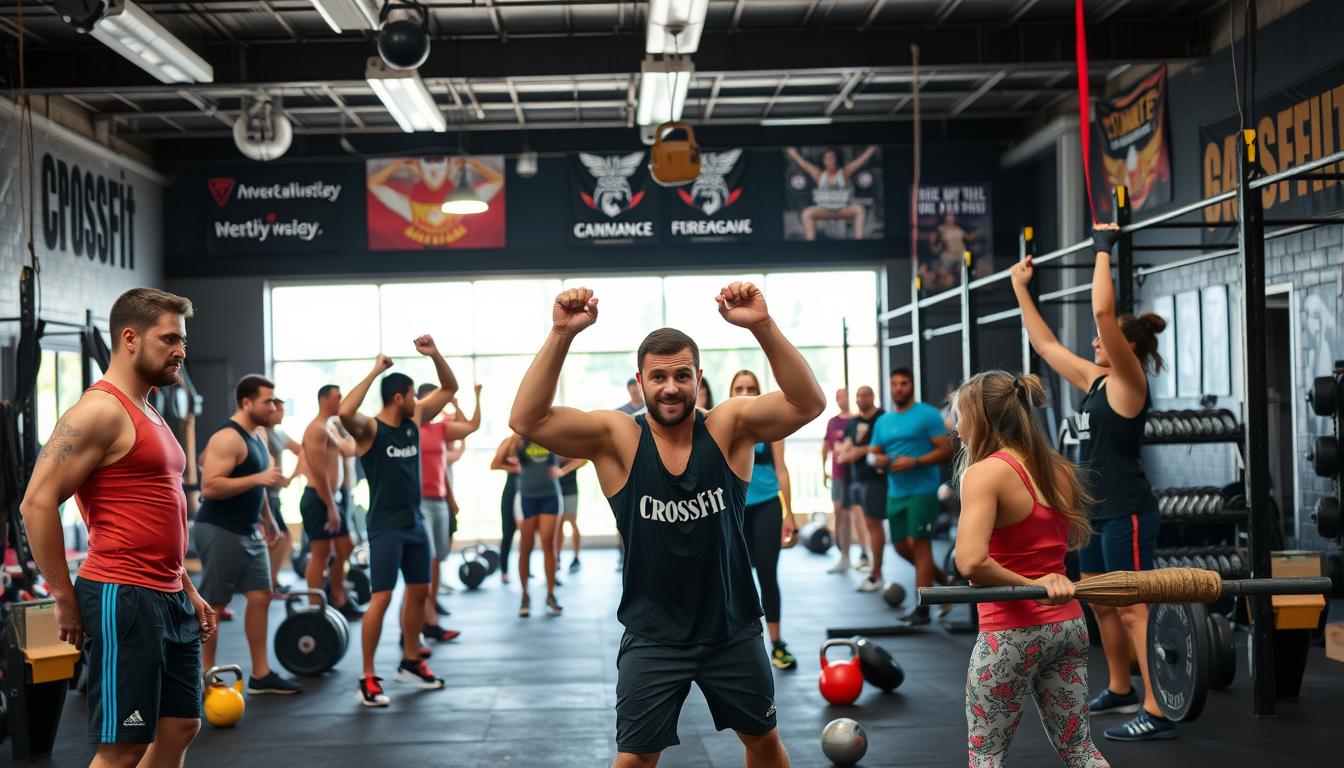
{"x": 967, "y": 319}
{"x": 1124, "y": 255}
{"x": 917, "y": 339}
{"x": 883, "y": 330}
{"x": 844, "y": 349}
{"x": 85, "y": 367}
{"x": 1251, "y": 243}
{"x": 28, "y": 323}
{"x": 1026, "y": 246}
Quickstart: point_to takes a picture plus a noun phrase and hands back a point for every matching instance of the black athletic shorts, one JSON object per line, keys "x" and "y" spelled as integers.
{"x": 143, "y": 654}
{"x": 654, "y": 678}
{"x": 871, "y": 495}
{"x": 404, "y": 551}
{"x": 314, "y": 513}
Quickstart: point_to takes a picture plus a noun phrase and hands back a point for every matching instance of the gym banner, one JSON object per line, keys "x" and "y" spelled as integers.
{"x": 833, "y": 193}
{"x": 1132, "y": 130}
{"x": 953, "y": 219}
{"x": 285, "y": 209}
{"x": 1293, "y": 126}
{"x": 609, "y": 199}
{"x": 406, "y": 197}
{"x": 717, "y": 206}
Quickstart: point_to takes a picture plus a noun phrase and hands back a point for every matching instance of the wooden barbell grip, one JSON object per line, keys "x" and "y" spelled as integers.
{"x": 1230, "y": 588}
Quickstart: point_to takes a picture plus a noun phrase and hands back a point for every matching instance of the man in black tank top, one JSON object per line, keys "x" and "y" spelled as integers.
{"x": 234, "y": 526}
{"x": 389, "y": 451}
{"x": 676, "y": 480}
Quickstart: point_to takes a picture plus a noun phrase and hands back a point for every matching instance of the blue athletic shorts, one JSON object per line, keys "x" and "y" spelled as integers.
{"x": 395, "y": 551}
{"x": 1121, "y": 544}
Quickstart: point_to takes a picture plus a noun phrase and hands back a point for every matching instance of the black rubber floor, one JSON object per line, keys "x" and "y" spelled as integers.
{"x": 540, "y": 692}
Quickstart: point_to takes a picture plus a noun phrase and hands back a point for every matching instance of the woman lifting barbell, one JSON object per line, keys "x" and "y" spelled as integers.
{"x": 1110, "y": 423}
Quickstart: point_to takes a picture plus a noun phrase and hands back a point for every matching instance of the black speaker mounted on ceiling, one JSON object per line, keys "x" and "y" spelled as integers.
{"x": 81, "y": 14}
{"x": 403, "y": 44}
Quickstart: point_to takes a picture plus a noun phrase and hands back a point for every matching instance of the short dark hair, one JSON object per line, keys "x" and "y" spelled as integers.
{"x": 667, "y": 341}
{"x": 395, "y": 384}
{"x": 140, "y": 308}
{"x": 633, "y": 381}
{"x": 326, "y": 389}
{"x": 905, "y": 372}
{"x": 425, "y": 389}
{"x": 250, "y": 386}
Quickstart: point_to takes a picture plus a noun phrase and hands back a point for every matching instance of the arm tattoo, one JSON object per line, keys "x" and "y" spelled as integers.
{"x": 59, "y": 446}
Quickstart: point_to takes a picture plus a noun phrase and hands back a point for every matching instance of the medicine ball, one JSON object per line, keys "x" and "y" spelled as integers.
{"x": 404, "y": 43}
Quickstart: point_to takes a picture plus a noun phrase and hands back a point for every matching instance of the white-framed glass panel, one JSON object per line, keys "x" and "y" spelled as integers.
{"x": 627, "y": 309}
{"x": 691, "y": 309}
{"x": 816, "y": 306}
{"x": 410, "y": 310}
{"x": 512, "y": 316}
{"x": 324, "y": 322}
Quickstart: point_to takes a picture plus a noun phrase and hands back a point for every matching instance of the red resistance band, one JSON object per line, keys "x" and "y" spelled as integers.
{"x": 1084, "y": 103}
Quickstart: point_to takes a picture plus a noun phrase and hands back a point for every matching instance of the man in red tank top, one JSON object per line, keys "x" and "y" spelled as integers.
{"x": 134, "y": 608}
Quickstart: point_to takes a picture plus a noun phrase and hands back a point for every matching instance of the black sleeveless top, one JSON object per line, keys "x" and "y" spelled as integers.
{"x": 687, "y": 577}
{"x": 1109, "y": 448}
{"x": 239, "y": 513}
{"x": 392, "y": 466}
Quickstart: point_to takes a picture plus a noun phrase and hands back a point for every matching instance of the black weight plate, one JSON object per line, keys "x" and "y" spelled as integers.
{"x": 1325, "y": 456}
{"x": 309, "y": 643}
{"x": 816, "y": 537}
{"x": 491, "y": 558}
{"x": 1224, "y": 567}
{"x": 472, "y": 573}
{"x": 1326, "y": 516}
{"x": 1323, "y": 396}
{"x": 1178, "y": 658}
{"x": 1224, "y": 644}
{"x": 894, "y": 595}
{"x": 878, "y": 666}
{"x": 360, "y": 587}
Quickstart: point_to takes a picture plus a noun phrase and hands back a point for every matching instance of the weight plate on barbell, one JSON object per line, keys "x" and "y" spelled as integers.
{"x": 1224, "y": 644}
{"x": 1325, "y": 456}
{"x": 1224, "y": 567}
{"x": 1323, "y": 395}
{"x": 1326, "y": 515}
{"x": 1178, "y": 658}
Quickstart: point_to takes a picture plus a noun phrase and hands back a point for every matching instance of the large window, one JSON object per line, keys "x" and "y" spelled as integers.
{"x": 490, "y": 329}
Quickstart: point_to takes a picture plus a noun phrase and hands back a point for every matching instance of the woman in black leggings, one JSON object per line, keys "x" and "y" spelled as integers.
{"x": 505, "y": 460}
{"x": 765, "y": 523}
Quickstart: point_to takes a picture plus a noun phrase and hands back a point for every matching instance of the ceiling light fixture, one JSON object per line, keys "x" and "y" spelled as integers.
{"x": 775, "y": 122}
{"x": 675, "y": 25}
{"x": 464, "y": 200}
{"x": 405, "y": 96}
{"x": 130, "y": 31}
{"x": 347, "y": 15}
{"x": 662, "y": 89}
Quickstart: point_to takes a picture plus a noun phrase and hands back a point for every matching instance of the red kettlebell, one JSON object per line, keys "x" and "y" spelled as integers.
{"x": 841, "y": 683}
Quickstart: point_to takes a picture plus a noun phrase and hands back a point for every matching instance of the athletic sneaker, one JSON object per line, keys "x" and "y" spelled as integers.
{"x": 1109, "y": 702}
{"x": 1145, "y": 727}
{"x": 916, "y": 618}
{"x": 226, "y": 615}
{"x": 279, "y": 591}
{"x": 525, "y": 608}
{"x": 350, "y": 611}
{"x": 553, "y": 606}
{"x": 416, "y": 672}
{"x": 371, "y": 692}
{"x": 574, "y": 565}
{"x": 425, "y": 650}
{"x": 438, "y": 606}
{"x": 559, "y": 583}
{"x": 869, "y": 585}
{"x": 439, "y": 634}
{"x": 272, "y": 684}
{"x": 841, "y": 566}
{"x": 863, "y": 565}
{"x": 781, "y": 657}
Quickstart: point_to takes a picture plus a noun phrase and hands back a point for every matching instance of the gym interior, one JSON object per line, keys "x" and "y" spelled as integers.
{"x": 326, "y": 180}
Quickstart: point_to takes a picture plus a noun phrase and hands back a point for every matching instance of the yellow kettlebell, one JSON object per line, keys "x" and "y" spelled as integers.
{"x": 223, "y": 703}
{"x": 673, "y": 162}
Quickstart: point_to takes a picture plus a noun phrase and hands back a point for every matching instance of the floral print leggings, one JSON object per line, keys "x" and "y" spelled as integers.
{"x": 1050, "y": 662}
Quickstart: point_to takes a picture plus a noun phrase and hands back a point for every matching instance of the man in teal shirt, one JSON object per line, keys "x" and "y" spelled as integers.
{"x": 909, "y": 442}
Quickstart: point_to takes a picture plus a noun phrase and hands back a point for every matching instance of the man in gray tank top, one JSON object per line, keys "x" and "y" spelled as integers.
{"x": 676, "y": 480}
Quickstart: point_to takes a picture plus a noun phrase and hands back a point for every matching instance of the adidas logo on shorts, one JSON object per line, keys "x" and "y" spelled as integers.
{"x": 771, "y": 711}
{"x": 134, "y": 719}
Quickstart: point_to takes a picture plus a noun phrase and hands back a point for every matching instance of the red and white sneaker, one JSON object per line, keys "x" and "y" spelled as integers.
{"x": 371, "y": 692}
{"x": 416, "y": 672}
{"x": 439, "y": 634}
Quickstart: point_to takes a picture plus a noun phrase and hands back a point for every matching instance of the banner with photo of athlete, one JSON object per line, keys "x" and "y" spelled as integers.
{"x": 717, "y": 207}
{"x": 609, "y": 199}
{"x": 952, "y": 219}
{"x": 406, "y": 195}
{"x": 833, "y": 193}
{"x": 1132, "y": 131}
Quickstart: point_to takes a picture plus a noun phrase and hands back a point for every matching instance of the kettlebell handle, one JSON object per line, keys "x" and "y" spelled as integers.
{"x": 475, "y": 550}
{"x": 294, "y": 597}
{"x": 410, "y": 5}
{"x": 212, "y": 674}
{"x": 853, "y": 647}
{"x": 668, "y": 127}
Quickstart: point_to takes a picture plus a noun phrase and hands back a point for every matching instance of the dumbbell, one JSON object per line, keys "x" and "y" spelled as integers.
{"x": 1161, "y": 425}
{"x": 1225, "y": 567}
{"x": 1149, "y": 427}
{"x": 1228, "y": 421}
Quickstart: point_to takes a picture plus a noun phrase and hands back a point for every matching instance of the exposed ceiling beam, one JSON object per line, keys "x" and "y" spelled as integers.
{"x": 945, "y": 10}
{"x": 713, "y": 95}
{"x": 1107, "y": 11}
{"x": 1022, "y": 8}
{"x": 811, "y": 9}
{"x": 769, "y": 105}
{"x": 855, "y": 78}
{"x": 336, "y": 99}
{"x": 871, "y": 16}
{"x": 495, "y": 21}
{"x": 517, "y": 107}
{"x": 974, "y": 96}
{"x": 737, "y": 15}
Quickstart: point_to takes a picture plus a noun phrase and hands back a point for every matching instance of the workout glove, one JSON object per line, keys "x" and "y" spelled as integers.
{"x": 1104, "y": 239}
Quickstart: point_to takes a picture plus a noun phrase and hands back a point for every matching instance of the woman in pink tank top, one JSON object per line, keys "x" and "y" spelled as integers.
{"x": 1022, "y": 509}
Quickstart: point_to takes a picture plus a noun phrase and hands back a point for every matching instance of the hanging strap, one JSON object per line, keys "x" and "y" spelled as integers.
{"x": 1084, "y": 103}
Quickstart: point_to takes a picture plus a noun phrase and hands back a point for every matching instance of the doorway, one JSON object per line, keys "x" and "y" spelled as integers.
{"x": 1279, "y": 358}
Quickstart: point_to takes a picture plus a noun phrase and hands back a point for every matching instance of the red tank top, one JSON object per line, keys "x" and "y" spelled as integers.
{"x": 135, "y": 510}
{"x": 1032, "y": 548}
{"x": 433, "y": 475}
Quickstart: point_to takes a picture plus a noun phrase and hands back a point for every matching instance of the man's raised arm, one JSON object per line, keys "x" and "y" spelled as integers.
{"x": 357, "y": 424}
{"x": 428, "y": 408}
{"x": 566, "y": 431}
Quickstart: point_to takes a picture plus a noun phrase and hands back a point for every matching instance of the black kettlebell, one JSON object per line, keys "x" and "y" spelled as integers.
{"x": 473, "y": 569}
{"x": 403, "y": 44}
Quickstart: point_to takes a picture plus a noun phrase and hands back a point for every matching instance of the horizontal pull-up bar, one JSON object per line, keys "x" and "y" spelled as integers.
{"x": 1296, "y": 171}
{"x": 898, "y": 341}
{"x": 942, "y": 330}
{"x": 1145, "y": 271}
{"x": 895, "y": 313}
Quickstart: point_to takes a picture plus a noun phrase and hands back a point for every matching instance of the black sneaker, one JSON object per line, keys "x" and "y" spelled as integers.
{"x": 553, "y": 606}
{"x": 272, "y": 684}
{"x": 439, "y": 634}
{"x": 1145, "y": 727}
{"x": 438, "y": 606}
{"x": 574, "y": 565}
{"x": 371, "y": 692}
{"x": 1109, "y": 702}
{"x": 416, "y": 672}
{"x": 350, "y": 611}
{"x": 915, "y": 618}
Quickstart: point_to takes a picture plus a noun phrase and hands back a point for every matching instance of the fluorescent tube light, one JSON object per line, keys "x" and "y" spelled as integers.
{"x": 347, "y": 15}
{"x": 662, "y": 90}
{"x": 781, "y": 121}
{"x": 127, "y": 29}
{"x": 675, "y": 25}
{"x": 405, "y": 96}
